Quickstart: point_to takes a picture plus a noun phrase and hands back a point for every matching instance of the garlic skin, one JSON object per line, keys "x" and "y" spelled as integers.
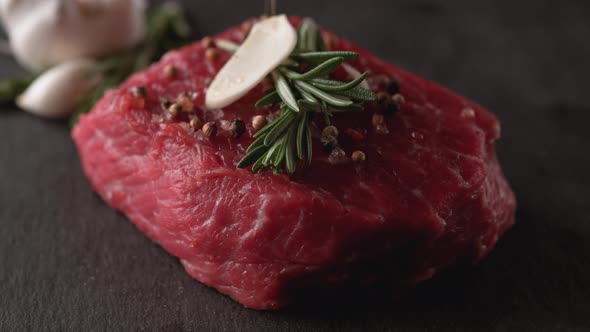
{"x": 58, "y": 92}
{"x": 44, "y": 33}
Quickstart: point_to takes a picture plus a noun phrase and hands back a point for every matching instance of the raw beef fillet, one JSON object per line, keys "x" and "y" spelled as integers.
{"x": 430, "y": 192}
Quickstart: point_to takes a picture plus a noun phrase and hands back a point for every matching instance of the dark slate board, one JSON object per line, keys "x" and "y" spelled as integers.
{"x": 69, "y": 262}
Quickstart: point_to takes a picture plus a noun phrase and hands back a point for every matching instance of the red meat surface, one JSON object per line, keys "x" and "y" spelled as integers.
{"x": 430, "y": 193}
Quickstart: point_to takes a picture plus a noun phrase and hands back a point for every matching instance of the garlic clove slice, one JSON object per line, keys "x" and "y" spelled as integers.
{"x": 59, "y": 91}
{"x": 269, "y": 43}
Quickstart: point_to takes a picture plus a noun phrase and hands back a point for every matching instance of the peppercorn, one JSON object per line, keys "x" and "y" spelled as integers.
{"x": 174, "y": 110}
{"x": 468, "y": 112}
{"x": 384, "y": 82}
{"x": 185, "y": 102}
{"x": 210, "y": 129}
{"x": 139, "y": 91}
{"x": 329, "y": 142}
{"x": 377, "y": 120}
{"x": 383, "y": 97}
{"x": 237, "y": 128}
{"x": 392, "y": 86}
{"x": 356, "y": 135}
{"x": 165, "y": 104}
{"x": 211, "y": 54}
{"x": 381, "y": 80}
{"x": 329, "y": 138}
{"x": 330, "y": 131}
{"x": 207, "y": 42}
{"x": 196, "y": 123}
{"x": 258, "y": 122}
{"x": 387, "y": 105}
{"x": 358, "y": 156}
{"x": 170, "y": 71}
{"x": 398, "y": 99}
{"x": 267, "y": 85}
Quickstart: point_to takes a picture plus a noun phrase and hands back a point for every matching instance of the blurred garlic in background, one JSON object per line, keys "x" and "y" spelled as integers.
{"x": 78, "y": 49}
{"x": 44, "y": 33}
{"x": 60, "y": 89}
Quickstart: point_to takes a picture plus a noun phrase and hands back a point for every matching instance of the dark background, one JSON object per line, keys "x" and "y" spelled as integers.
{"x": 69, "y": 262}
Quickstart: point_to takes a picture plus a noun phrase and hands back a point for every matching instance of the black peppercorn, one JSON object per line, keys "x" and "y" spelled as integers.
{"x": 210, "y": 129}
{"x": 392, "y": 87}
{"x": 139, "y": 91}
{"x": 237, "y": 128}
{"x": 165, "y": 103}
{"x": 329, "y": 142}
{"x": 388, "y": 106}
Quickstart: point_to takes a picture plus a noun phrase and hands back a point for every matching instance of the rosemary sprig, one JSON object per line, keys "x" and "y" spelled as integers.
{"x": 286, "y": 142}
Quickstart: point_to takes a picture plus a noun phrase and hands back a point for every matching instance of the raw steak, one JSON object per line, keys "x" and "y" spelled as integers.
{"x": 430, "y": 193}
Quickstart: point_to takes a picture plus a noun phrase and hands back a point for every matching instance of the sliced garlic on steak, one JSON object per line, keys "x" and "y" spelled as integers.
{"x": 269, "y": 43}
{"x": 57, "y": 92}
{"x": 43, "y": 33}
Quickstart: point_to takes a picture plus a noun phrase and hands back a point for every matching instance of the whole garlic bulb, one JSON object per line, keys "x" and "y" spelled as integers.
{"x": 44, "y": 33}
{"x": 58, "y": 91}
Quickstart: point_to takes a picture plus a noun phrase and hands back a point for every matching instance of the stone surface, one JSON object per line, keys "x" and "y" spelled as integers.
{"x": 525, "y": 61}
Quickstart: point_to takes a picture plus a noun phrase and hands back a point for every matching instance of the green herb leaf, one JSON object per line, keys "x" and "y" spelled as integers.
{"x": 271, "y": 154}
{"x": 308, "y": 35}
{"x": 328, "y": 98}
{"x": 302, "y": 34}
{"x": 308, "y": 142}
{"x": 283, "y": 124}
{"x": 257, "y": 142}
{"x": 284, "y": 91}
{"x": 281, "y": 153}
{"x": 301, "y": 136}
{"x": 359, "y": 94}
{"x": 308, "y": 105}
{"x": 289, "y": 153}
{"x": 251, "y": 157}
{"x": 319, "y": 57}
{"x": 355, "y": 93}
{"x": 307, "y": 97}
{"x": 321, "y": 70}
{"x": 257, "y": 166}
{"x": 270, "y": 98}
{"x": 335, "y": 86}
